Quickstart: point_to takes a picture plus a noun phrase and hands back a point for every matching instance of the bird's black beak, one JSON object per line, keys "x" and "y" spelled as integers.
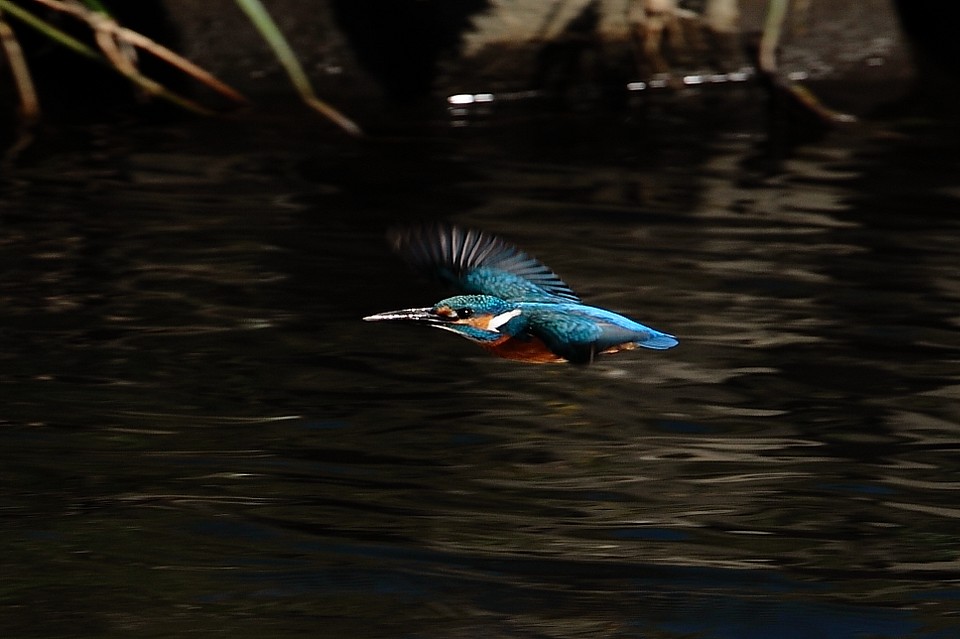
{"x": 422, "y": 315}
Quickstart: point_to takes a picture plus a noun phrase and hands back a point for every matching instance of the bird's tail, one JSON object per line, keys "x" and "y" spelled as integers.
{"x": 659, "y": 341}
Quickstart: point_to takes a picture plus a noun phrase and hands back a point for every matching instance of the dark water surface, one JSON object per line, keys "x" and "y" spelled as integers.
{"x": 199, "y": 436}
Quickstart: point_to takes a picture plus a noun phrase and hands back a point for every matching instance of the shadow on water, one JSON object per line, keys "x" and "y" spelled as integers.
{"x": 200, "y": 436}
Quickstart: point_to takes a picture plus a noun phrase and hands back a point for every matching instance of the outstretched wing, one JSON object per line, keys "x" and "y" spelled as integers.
{"x": 474, "y": 262}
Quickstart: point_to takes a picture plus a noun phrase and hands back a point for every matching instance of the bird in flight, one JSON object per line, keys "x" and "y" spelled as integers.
{"x": 510, "y": 303}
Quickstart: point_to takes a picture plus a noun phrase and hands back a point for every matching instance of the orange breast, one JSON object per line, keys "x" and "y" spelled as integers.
{"x": 530, "y": 350}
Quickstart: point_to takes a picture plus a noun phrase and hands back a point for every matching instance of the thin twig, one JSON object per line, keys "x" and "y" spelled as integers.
{"x": 168, "y": 56}
{"x": 122, "y": 54}
{"x": 29, "y": 104}
{"x": 806, "y": 97}
{"x": 111, "y": 47}
{"x": 767, "y": 61}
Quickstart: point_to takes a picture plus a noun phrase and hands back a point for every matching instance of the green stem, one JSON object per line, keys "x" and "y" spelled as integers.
{"x": 770, "y": 39}
{"x": 264, "y": 23}
{"x": 49, "y": 30}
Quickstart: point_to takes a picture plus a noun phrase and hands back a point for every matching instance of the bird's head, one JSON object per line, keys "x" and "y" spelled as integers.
{"x": 480, "y": 318}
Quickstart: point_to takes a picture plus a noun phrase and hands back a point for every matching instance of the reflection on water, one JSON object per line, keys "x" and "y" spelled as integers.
{"x": 199, "y": 435}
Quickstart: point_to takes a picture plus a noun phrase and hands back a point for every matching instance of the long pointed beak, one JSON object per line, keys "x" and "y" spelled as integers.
{"x": 425, "y": 315}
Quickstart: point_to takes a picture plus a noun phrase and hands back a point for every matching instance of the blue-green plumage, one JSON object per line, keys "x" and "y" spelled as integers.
{"x": 512, "y": 304}
{"x": 473, "y": 262}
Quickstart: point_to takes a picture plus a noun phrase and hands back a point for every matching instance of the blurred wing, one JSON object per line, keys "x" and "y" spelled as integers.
{"x": 474, "y": 262}
{"x": 579, "y": 336}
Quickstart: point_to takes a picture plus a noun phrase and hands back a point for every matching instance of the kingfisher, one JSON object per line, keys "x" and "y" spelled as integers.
{"x": 510, "y": 303}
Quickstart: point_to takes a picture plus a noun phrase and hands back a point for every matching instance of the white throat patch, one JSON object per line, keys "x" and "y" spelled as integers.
{"x": 499, "y": 320}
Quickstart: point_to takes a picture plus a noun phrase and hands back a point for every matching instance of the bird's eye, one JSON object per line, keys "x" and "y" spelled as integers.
{"x": 464, "y": 313}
